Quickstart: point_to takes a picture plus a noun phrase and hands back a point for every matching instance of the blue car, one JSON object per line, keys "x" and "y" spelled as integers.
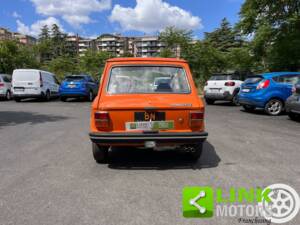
{"x": 78, "y": 86}
{"x": 268, "y": 91}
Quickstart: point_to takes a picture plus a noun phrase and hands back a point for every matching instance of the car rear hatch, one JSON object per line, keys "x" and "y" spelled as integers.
{"x": 217, "y": 83}
{"x": 251, "y": 83}
{"x": 173, "y": 110}
{"x": 73, "y": 84}
{"x": 26, "y": 82}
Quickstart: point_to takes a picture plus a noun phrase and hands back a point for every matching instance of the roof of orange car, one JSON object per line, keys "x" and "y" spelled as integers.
{"x": 154, "y": 59}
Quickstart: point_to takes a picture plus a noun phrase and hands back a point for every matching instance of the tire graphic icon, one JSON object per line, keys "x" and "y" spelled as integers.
{"x": 284, "y": 204}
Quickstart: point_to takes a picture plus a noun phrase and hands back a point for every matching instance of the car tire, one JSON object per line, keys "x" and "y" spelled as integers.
{"x": 209, "y": 101}
{"x": 248, "y": 108}
{"x": 90, "y": 96}
{"x": 47, "y": 96}
{"x": 235, "y": 100}
{"x": 100, "y": 153}
{"x": 194, "y": 152}
{"x": 274, "y": 107}
{"x": 63, "y": 99}
{"x": 294, "y": 116}
{"x": 8, "y": 96}
{"x": 17, "y": 99}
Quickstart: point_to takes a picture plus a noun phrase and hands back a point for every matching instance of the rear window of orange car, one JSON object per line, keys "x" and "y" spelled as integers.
{"x": 147, "y": 80}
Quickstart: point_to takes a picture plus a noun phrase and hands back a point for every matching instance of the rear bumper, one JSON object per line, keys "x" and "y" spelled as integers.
{"x": 219, "y": 96}
{"x": 73, "y": 94}
{"x": 252, "y": 101}
{"x": 28, "y": 95}
{"x": 140, "y": 138}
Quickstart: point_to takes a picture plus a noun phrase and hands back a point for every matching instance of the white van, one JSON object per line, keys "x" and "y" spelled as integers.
{"x": 28, "y": 83}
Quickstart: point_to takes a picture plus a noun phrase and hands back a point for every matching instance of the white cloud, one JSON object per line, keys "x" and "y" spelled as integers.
{"x": 35, "y": 28}
{"x": 16, "y": 15}
{"x": 153, "y": 15}
{"x": 75, "y": 12}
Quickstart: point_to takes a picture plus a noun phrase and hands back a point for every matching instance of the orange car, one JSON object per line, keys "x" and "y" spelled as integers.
{"x": 148, "y": 103}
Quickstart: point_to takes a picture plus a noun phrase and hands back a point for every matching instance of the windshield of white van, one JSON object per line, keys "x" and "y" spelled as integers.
{"x": 147, "y": 79}
{"x": 26, "y": 76}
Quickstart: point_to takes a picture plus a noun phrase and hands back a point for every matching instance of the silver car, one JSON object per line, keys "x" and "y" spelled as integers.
{"x": 5, "y": 86}
{"x": 293, "y": 103}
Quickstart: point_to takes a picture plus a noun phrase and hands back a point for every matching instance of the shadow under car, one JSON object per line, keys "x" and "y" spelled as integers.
{"x": 147, "y": 159}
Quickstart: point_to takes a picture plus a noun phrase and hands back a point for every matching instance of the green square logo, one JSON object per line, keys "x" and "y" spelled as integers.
{"x": 197, "y": 202}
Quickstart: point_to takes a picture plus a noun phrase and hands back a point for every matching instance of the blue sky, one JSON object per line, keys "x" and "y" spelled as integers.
{"x": 128, "y": 17}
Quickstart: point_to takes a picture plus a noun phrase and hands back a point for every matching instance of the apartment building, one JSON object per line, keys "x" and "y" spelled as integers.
{"x": 84, "y": 45}
{"x": 24, "y": 39}
{"x": 117, "y": 45}
{"x": 72, "y": 44}
{"x": 5, "y": 34}
{"x": 147, "y": 46}
{"x": 114, "y": 44}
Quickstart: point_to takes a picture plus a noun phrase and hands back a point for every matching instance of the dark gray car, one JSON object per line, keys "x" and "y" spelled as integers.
{"x": 293, "y": 104}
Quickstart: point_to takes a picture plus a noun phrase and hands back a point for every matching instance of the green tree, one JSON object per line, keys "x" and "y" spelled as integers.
{"x": 58, "y": 39}
{"x": 14, "y": 55}
{"x": 45, "y": 33}
{"x": 93, "y": 63}
{"x": 241, "y": 60}
{"x": 167, "y": 53}
{"x": 175, "y": 39}
{"x": 224, "y": 38}
{"x": 275, "y": 26}
{"x": 61, "y": 66}
{"x": 205, "y": 60}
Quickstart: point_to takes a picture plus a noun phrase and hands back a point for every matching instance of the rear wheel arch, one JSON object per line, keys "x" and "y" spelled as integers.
{"x": 236, "y": 90}
{"x": 276, "y": 98}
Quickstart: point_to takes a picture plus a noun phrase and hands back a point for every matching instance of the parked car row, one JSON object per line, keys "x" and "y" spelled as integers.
{"x": 30, "y": 83}
{"x": 274, "y": 92}
{"x": 143, "y": 102}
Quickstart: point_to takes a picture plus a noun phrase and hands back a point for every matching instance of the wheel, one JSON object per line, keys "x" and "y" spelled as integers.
{"x": 90, "y": 96}
{"x": 48, "y": 96}
{"x": 235, "y": 100}
{"x": 209, "y": 101}
{"x": 8, "y": 95}
{"x": 63, "y": 99}
{"x": 249, "y": 108}
{"x": 194, "y": 151}
{"x": 274, "y": 107}
{"x": 294, "y": 116}
{"x": 100, "y": 153}
{"x": 17, "y": 99}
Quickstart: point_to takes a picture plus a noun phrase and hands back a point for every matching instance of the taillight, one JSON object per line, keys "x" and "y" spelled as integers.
{"x": 102, "y": 120}
{"x": 1, "y": 84}
{"x": 263, "y": 84}
{"x": 230, "y": 83}
{"x": 196, "y": 119}
{"x": 41, "y": 80}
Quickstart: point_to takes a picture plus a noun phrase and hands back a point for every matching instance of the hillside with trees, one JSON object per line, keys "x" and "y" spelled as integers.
{"x": 266, "y": 38}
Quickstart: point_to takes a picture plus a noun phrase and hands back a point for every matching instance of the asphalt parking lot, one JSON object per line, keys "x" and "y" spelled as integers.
{"x": 48, "y": 174}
